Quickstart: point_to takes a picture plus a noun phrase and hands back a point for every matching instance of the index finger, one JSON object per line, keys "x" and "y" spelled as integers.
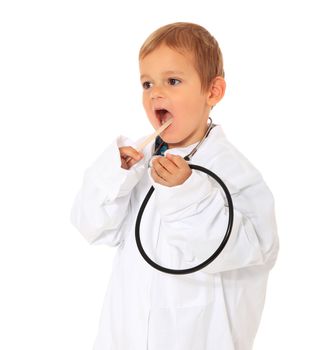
{"x": 131, "y": 152}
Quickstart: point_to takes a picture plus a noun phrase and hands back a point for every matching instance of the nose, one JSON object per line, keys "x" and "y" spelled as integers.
{"x": 156, "y": 92}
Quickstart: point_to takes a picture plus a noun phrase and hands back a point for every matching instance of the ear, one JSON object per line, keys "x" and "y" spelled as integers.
{"x": 216, "y": 91}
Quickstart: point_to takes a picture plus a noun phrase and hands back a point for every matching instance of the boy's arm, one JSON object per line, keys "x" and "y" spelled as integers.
{"x": 195, "y": 217}
{"x": 100, "y": 208}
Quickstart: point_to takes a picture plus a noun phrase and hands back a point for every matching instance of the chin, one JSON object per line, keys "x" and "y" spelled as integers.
{"x": 178, "y": 141}
{"x": 168, "y": 139}
{"x": 173, "y": 142}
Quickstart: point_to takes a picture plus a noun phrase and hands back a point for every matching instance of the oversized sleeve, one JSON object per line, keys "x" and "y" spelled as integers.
{"x": 195, "y": 216}
{"x": 100, "y": 208}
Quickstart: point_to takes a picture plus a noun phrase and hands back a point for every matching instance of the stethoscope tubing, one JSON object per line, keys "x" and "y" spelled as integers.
{"x": 217, "y": 251}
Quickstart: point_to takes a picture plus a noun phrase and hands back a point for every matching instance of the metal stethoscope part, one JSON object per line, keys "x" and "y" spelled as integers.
{"x": 230, "y": 217}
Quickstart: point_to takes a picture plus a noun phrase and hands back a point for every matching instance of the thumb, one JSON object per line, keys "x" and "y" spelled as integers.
{"x": 176, "y": 159}
{"x": 170, "y": 156}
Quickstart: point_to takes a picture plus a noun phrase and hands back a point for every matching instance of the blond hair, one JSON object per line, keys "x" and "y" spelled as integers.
{"x": 189, "y": 38}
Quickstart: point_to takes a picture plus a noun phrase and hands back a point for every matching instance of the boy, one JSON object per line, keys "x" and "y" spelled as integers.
{"x": 218, "y": 307}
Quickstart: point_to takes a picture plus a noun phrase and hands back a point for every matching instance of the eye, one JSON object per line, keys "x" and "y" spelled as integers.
{"x": 173, "y": 81}
{"x": 146, "y": 85}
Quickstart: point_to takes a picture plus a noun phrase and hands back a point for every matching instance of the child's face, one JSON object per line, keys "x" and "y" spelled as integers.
{"x": 171, "y": 82}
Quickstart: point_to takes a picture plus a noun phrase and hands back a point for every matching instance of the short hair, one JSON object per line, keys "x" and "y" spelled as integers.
{"x": 189, "y": 38}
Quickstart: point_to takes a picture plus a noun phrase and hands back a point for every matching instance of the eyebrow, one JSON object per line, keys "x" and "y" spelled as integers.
{"x": 165, "y": 73}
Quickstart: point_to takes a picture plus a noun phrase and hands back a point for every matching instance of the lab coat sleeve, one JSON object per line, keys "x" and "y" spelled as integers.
{"x": 100, "y": 208}
{"x": 195, "y": 216}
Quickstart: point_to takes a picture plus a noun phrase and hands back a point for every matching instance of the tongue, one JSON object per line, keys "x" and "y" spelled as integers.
{"x": 166, "y": 116}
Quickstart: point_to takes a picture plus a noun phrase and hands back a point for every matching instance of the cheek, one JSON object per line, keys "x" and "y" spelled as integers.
{"x": 146, "y": 106}
{"x": 149, "y": 111}
{"x": 194, "y": 107}
{"x": 144, "y": 101}
{"x": 186, "y": 110}
{"x": 186, "y": 102}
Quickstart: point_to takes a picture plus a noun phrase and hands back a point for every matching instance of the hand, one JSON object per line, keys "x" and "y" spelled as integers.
{"x": 171, "y": 170}
{"x": 129, "y": 156}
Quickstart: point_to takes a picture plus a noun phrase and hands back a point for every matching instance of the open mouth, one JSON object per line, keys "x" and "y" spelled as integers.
{"x": 163, "y": 115}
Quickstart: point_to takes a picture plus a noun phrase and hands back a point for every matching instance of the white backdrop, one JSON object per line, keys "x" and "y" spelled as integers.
{"x": 69, "y": 84}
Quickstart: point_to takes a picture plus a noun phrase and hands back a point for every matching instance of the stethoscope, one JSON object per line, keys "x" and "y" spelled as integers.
{"x": 230, "y": 216}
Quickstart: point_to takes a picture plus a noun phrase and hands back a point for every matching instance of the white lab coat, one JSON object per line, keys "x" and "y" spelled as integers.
{"x": 218, "y": 307}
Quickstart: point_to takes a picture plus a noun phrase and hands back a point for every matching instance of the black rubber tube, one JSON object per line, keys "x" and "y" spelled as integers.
{"x": 218, "y": 250}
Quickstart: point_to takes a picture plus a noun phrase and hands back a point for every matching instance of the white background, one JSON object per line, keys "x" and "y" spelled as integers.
{"x": 69, "y": 84}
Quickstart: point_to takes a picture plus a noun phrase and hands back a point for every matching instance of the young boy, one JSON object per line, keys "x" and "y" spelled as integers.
{"x": 219, "y": 306}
